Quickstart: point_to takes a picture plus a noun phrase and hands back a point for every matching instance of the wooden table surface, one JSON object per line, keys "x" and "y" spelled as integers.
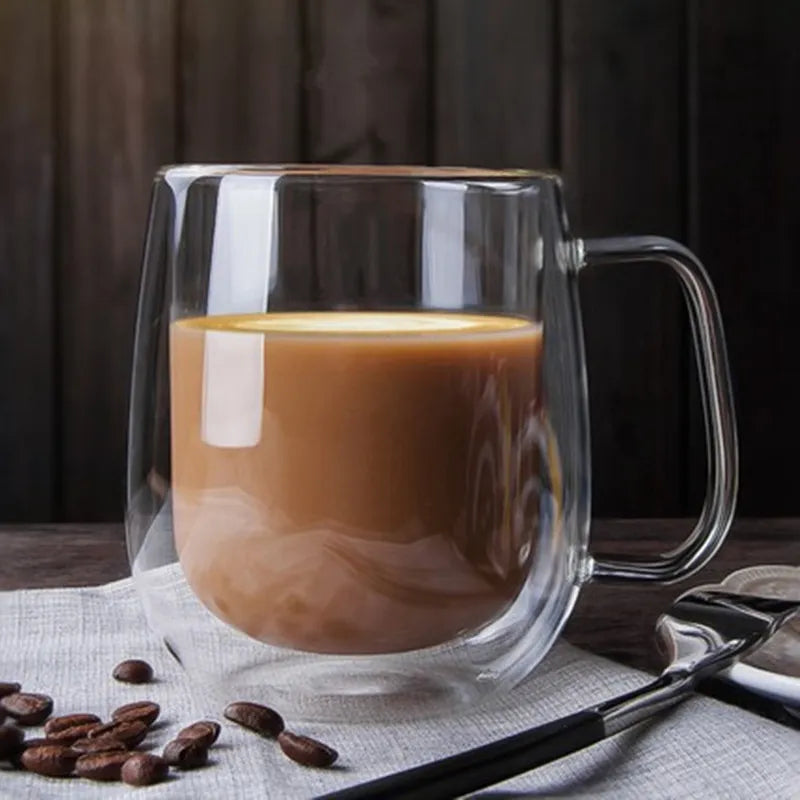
{"x": 614, "y": 621}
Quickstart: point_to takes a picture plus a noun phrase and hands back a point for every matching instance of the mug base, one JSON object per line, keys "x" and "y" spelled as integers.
{"x": 225, "y": 665}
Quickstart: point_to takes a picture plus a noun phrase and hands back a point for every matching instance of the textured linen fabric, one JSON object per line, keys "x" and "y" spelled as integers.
{"x": 65, "y": 642}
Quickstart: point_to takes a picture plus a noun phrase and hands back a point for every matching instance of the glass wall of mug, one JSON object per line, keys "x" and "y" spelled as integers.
{"x": 358, "y": 475}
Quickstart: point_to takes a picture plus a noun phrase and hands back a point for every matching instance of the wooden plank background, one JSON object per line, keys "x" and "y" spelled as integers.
{"x": 116, "y": 123}
{"x": 28, "y": 384}
{"x": 677, "y": 117}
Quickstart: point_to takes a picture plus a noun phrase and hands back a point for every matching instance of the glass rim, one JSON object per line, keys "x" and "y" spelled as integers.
{"x": 360, "y": 171}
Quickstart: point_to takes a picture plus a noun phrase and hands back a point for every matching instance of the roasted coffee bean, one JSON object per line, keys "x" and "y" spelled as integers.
{"x": 10, "y": 741}
{"x": 53, "y": 760}
{"x": 26, "y": 708}
{"x": 57, "y": 724}
{"x": 144, "y": 711}
{"x": 39, "y": 741}
{"x": 306, "y": 751}
{"x": 185, "y": 754}
{"x": 101, "y": 766}
{"x": 9, "y": 688}
{"x": 133, "y": 671}
{"x": 129, "y": 733}
{"x": 204, "y": 732}
{"x": 36, "y": 742}
{"x": 102, "y": 744}
{"x": 144, "y": 769}
{"x": 258, "y": 718}
{"x": 67, "y": 736}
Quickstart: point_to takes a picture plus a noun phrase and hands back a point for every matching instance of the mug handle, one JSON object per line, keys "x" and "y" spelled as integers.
{"x": 715, "y": 386}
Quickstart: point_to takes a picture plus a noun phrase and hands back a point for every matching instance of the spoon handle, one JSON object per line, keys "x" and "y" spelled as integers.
{"x": 489, "y": 764}
{"x": 486, "y": 765}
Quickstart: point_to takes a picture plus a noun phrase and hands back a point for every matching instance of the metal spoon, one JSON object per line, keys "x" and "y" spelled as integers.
{"x": 704, "y": 632}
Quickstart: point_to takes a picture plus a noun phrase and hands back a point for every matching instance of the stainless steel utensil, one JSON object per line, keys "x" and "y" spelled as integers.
{"x": 704, "y": 632}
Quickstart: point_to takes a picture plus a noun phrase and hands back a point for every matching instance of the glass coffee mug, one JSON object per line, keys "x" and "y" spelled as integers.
{"x": 359, "y": 471}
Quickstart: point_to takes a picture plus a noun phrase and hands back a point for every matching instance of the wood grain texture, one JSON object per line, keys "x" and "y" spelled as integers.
{"x": 116, "y": 89}
{"x": 366, "y": 101}
{"x": 49, "y": 556}
{"x": 614, "y": 621}
{"x": 621, "y": 149}
{"x": 746, "y": 184}
{"x": 367, "y": 87}
{"x": 495, "y": 83}
{"x": 27, "y": 149}
{"x": 241, "y": 81}
{"x": 669, "y": 117}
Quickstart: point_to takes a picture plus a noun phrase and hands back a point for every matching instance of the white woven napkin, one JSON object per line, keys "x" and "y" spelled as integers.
{"x": 65, "y": 642}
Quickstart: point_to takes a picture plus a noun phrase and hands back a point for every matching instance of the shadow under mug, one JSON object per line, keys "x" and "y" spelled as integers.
{"x": 358, "y": 468}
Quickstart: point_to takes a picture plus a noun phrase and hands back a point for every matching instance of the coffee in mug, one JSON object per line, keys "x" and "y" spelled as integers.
{"x": 355, "y": 482}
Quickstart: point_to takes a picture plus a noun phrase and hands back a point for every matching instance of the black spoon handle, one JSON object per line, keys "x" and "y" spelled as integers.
{"x": 491, "y": 763}
{"x": 486, "y": 765}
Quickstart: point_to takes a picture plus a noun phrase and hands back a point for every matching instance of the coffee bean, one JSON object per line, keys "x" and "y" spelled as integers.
{"x": 53, "y": 760}
{"x": 104, "y": 729}
{"x": 204, "y": 732}
{"x": 185, "y": 754}
{"x": 40, "y": 741}
{"x": 258, "y": 718}
{"x": 26, "y": 708}
{"x": 129, "y": 733}
{"x": 16, "y": 760}
{"x": 102, "y": 744}
{"x": 67, "y": 736}
{"x": 133, "y": 671}
{"x": 101, "y": 766}
{"x": 57, "y": 724}
{"x": 10, "y": 741}
{"x": 306, "y": 751}
{"x": 144, "y": 769}
{"x": 9, "y": 688}
{"x": 144, "y": 711}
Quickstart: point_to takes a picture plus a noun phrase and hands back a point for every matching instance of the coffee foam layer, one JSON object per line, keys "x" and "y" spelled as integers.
{"x": 359, "y": 323}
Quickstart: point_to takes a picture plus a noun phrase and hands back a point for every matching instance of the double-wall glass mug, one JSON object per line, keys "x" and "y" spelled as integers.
{"x": 358, "y": 469}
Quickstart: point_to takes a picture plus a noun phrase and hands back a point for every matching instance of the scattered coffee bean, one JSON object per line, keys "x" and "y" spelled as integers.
{"x": 9, "y": 688}
{"x": 57, "y": 724}
{"x": 101, "y": 744}
{"x": 258, "y": 718}
{"x": 26, "y": 708}
{"x": 185, "y": 754}
{"x": 133, "y": 671}
{"x": 67, "y": 736}
{"x": 144, "y": 711}
{"x": 144, "y": 769}
{"x": 104, "y": 729}
{"x": 16, "y": 759}
{"x": 306, "y": 751}
{"x": 101, "y": 766}
{"x": 129, "y": 733}
{"x": 204, "y": 732}
{"x": 10, "y": 741}
{"x": 53, "y": 760}
{"x": 39, "y": 741}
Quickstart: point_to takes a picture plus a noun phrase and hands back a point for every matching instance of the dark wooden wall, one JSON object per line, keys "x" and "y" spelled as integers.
{"x": 679, "y": 117}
